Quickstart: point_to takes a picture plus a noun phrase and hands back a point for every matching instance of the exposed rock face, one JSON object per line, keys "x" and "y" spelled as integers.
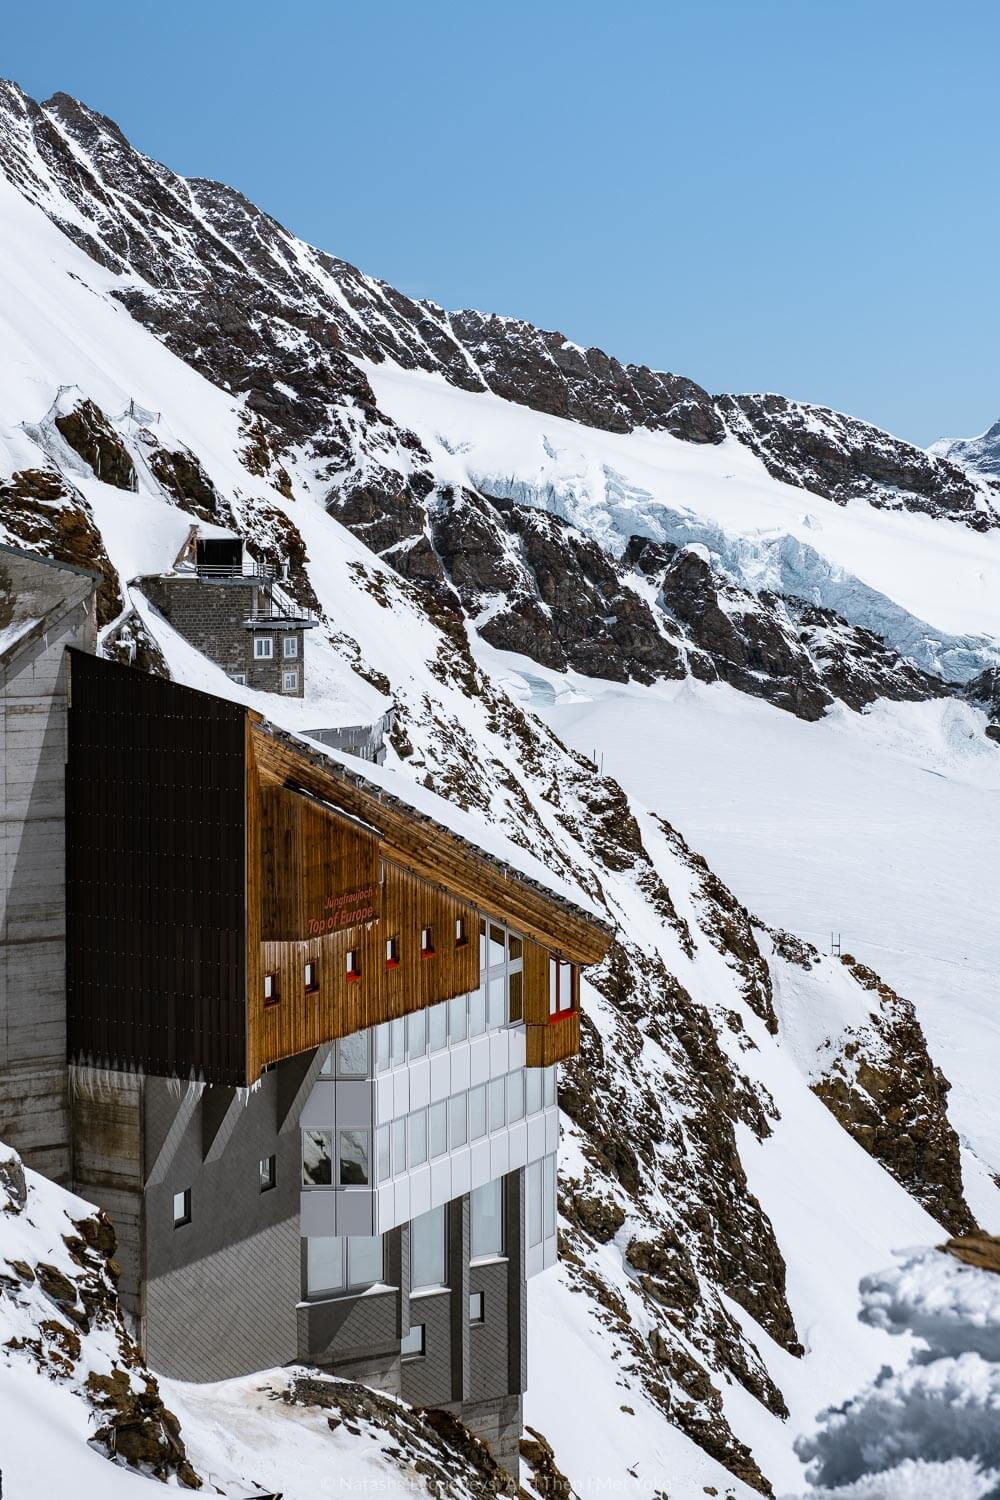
{"x": 538, "y": 586}
{"x": 452, "y": 1463}
{"x": 546, "y": 371}
{"x": 984, "y": 691}
{"x": 844, "y": 459}
{"x": 70, "y": 1326}
{"x": 89, "y": 434}
{"x": 41, "y": 511}
{"x": 184, "y": 478}
{"x": 886, "y": 1092}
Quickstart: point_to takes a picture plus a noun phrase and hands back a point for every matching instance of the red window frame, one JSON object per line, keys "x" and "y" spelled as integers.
{"x": 564, "y": 988}
{"x": 272, "y": 980}
{"x": 310, "y": 976}
{"x": 392, "y": 953}
{"x": 427, "y": 942}
{"x": 352, "y": 965}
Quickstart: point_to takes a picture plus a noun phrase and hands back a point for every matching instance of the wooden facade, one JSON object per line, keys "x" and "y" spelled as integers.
{"x": 212, "y": 859}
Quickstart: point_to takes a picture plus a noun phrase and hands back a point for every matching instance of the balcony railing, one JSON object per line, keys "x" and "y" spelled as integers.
{"x": 237, "y": 571}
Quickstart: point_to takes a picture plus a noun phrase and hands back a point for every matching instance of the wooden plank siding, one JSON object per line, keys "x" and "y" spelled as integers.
{"x": 299, "y": 1020}
{"x": 549, "y": 1039}
{"x": 435, "y": 853}
{"x": 319, "y": 872}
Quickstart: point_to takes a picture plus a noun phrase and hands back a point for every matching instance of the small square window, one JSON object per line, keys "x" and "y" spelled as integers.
{"x": 240, "y": 678}
{"x": 263, "y": 647}
{"x": 270, "y": 989}
{"x": 413, "y": 1343}
{"x": 426, "y": 942}
{"x": 267, "y": 1169}
{"x": 290, "y": 681}
{"x": 477, "y": 1307}
{"x": 310, "y": 975}
{"x": 352, "y": 963}
{"x": 290, "y": 647}
{"x": 182, "y": 1208}
{"x": 392, "y": 953}
{"x": 461, "y": 933}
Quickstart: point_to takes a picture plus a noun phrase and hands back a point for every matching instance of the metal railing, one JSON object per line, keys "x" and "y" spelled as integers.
{"x": 247, "y": 569}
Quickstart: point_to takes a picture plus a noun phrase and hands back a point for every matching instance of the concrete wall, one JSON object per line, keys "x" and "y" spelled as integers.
{"x": 33, "y": 725}
{"x": 211, "y": 616}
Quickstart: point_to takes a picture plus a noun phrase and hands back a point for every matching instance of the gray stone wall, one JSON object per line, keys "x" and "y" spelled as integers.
{"x": 211, "y": 615}
{"x": 34, "y": 1116}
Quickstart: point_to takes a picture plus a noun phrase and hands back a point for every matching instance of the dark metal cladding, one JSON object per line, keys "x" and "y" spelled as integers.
{"x": 156, "y": 878}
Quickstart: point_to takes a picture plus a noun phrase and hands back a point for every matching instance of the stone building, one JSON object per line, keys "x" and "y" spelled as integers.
{"x": 234, "y": 610}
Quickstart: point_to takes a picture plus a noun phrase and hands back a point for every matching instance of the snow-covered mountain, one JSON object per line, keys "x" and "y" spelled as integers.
{"x": 777, "y": 626}
{"x": 978, "y": 455}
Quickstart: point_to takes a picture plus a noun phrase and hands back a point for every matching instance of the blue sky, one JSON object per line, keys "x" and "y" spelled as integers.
{"x": 791, "y": 195}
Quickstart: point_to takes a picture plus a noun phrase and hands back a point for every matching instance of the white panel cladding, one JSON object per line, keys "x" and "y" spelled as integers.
{"x": 447, "y": 1105}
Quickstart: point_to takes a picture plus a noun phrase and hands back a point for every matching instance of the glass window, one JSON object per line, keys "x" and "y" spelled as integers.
{"x": 427, "y": 1250}
{"x": 263, "y": 647}
{"x": 324, "y": 1264}
{"x": 458, "y": 1120}
{"x": 515, "y": 946}
{"x": 533, "y": 1192}
{"x": 382, "y": 1047}
{"x": 437, "y": 1026}
{"x": 417, "y": 1134}
{"x": 413, "y": 1344}
{"x": 461, "y": 932}
{"x": 534, "y": 1090}
{"x": 498, "y": 945}
{"x": 317, "y": 1158}
{"x": 352, "y": 963}
{"x": 382, "y": 1162}
{"x": 486, "y": 1208}
{"x": 477, "y": 1308}
{"x": 352, "y": 1055}
{"x": 267, "y": 1173}
{"x": 515, "y": 997}
{"x": 566, "y": 986}
{"x": 398, "y": 1042}
{"x": 477, "y": 1012}
{"x": 548, "y": 1196}
{"x": 549, "y": 1085}
{"x": 290, "y": 681}
{"x": 310, "y": 976}
{"x": 477, "y": 1112}
{"x": 553, "y": 986}
{"x": 458, "y": 1017}
{"x": 354, "y": 1158}
{"x": 498, "y": 1000}
{"x": 364, "y": 1259}
{"x": 416, "y": 1033}
{"x": 392, "y": 953}
{"x": 482, "y": 943}
{"x": 290, "y": 647}
{"x": 182, "y": 1208}
{"x": 398, "y": 1146}
{"x": 270, "y": 989}
{"x": 515, "y": 1095}
{"x": 498, "y": 1092}
{"x": 438, "y": 1128}
{"x": 426, "y": 941}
